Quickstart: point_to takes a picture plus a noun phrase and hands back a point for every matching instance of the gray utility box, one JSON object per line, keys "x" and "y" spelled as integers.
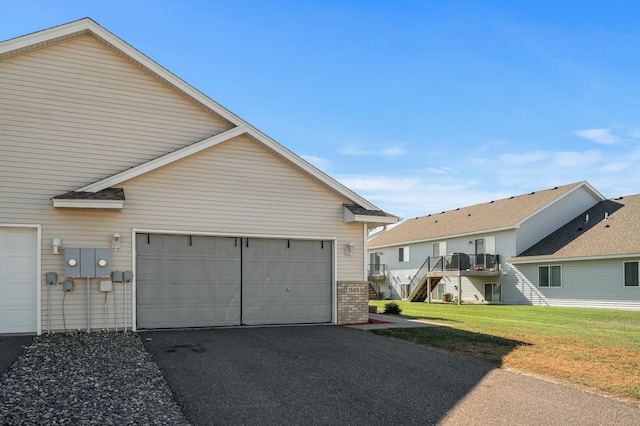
{"x": 87, "y": 262}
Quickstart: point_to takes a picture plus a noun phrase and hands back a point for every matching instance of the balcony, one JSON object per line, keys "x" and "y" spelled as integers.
{"x": 463, "y": 264}
{"x": 377, "y": 272}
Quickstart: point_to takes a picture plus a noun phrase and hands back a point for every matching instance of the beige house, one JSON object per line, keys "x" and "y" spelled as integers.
{"x": 145, "y": 204}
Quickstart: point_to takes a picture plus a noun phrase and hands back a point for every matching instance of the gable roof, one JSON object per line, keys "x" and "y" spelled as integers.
{"x": 611, "y": 228}
{"x": 507, "y": 213}
{"x": 84, "y": 26}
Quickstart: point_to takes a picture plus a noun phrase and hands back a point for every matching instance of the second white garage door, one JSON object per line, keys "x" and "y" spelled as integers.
{"x": 198, "y": 281}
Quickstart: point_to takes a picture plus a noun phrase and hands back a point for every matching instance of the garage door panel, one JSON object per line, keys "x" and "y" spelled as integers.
{"x": 18, "y": 280}
{"x": 196, "y": 281}
{"x": 287, "y": 272}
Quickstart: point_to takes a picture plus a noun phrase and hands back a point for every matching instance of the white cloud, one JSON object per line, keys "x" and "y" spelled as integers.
{"x": 391, "y": 151}
{"x": 601, "y": 136}
{"x": 322, "y": 163}
{"x": 523, "y": 158}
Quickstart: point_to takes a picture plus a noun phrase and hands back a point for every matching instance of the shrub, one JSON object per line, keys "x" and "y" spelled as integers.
{"x": 392, "y": 308}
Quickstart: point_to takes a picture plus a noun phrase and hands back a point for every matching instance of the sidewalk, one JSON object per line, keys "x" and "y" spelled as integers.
{"x": 381, "y": 321}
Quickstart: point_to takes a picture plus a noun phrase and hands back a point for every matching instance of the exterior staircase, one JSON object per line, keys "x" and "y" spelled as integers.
{"x": 421, "y": 291}
{"x": 373, "y": 294}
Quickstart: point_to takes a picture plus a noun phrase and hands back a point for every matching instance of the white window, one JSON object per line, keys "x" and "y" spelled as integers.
{"x": 439, "y": 249}
{"x": 403, "y": 254}
{"x": 550, "y": 276}
{"x": 492, "y": 292}
{"x": 631, "y": 274}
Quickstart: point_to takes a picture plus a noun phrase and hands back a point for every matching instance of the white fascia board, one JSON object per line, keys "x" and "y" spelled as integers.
{"x": 163, "y": 161}
{"x": 88, "y": 204}
{"x": 443, "y": 237}
{"x": 350, "y": 217}
{"x": 235, "y": 234}
{"x": 574, "y": 259}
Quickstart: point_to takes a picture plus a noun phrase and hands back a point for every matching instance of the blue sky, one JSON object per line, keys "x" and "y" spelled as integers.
{"x": 419, "y": 106}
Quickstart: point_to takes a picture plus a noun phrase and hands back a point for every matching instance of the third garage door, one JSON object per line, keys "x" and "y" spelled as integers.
{"x": 199, "y": 281}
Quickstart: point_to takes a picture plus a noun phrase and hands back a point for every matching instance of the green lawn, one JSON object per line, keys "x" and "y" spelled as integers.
{"x": 593, "y": 348}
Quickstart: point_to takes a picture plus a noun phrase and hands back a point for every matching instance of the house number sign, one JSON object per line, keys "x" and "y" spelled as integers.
{"x": 353, "y": 290}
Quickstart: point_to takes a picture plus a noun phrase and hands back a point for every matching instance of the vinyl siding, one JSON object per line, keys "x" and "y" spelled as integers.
{"x": 553, "y": 217}
{"x": 236, "y": 188}
{"x": 76, "y": 112}
{"x": 595, "y": 283}
{"x": 80, "y": 107}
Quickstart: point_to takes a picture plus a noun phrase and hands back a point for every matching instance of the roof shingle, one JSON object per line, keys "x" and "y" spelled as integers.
{"x": 496, "y": 214}
{"x": 613, "y": 228}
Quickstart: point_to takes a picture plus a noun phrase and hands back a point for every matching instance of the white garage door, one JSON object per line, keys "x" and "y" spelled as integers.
{"x": 197, "y": 281}
{"x": 18, "y": 280}
{"x": 286, "y": 281}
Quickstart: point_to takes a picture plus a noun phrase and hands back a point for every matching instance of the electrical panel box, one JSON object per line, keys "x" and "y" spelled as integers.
{"x": 72, "y": 262}
{"x": 67, "y": 285}
{"x": 103, "y": 263}
{"x": 51, "y": 277}
{"x": 117, "y": 276}
{"x": 87, "y": 262}
{"x": 128, "y": 276}
{"x": 106, "y": 286}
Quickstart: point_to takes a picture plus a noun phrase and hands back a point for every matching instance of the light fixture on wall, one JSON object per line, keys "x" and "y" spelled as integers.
{"x": 470, "y": 242}
{"x": 56, "y": 242}
{"x": 115, "y": 243}
{"x": 348, "y": 249}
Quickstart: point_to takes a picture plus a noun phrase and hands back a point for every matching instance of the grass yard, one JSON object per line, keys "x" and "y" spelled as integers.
{"x": 595, "y": 348}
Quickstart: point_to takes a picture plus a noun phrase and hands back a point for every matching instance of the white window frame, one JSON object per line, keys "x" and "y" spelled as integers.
{"x": 549, "y": 276}
{"x": 403, "y": 254}
{"x": 624, "y": 274}
{"x": 492, "y": 284}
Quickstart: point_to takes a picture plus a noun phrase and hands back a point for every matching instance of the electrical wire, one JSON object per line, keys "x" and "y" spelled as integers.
{"x": 64, "y": 321}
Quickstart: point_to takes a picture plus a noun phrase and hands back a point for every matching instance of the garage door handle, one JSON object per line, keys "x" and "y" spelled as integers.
{"x": 288, "y": 289}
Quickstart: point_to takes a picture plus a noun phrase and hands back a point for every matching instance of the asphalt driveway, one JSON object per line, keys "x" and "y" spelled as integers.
{"x": 11, "y": 347}
{"x": 338, "y": 375}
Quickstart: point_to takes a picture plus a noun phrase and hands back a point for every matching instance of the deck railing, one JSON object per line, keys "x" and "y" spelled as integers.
{"x": 377, "y": 271}
{"x": 454, "y": 262}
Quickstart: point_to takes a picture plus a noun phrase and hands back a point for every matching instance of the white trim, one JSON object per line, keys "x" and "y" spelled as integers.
{"x": 445, "y": 237}
{"x": 38, "y": 229}
{"x": 163, "y": 160}
{"x": 134, "y": 285}
{"x": 87, "y": 24}
{"x": 334, "y": 261}
{"x": 87, "y": 204}
{"x": 624, "y": 272}
{"x": 334, "y": 284}
{"x": 350, "y": 217}
{"x": 550, "y": 265}
{"x": 572, "y": 259}
{"x": 365, "y": 254}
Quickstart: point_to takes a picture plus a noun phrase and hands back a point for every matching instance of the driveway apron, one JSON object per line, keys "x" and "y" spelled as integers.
{"x": 338, "y": 375}
{"x": 11, "y": 347}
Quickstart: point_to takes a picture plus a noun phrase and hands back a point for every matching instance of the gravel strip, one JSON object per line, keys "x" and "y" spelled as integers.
{"x": 88, "y": 379}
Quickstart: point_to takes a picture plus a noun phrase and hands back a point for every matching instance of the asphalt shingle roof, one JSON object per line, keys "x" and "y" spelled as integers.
{"x": 617, "y": 234}
{"x": 496, "y": 214}
{"x": 115, "y": 194}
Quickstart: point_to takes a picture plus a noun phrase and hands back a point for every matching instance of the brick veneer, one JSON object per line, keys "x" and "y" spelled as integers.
{"x": 353, "y": 308}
